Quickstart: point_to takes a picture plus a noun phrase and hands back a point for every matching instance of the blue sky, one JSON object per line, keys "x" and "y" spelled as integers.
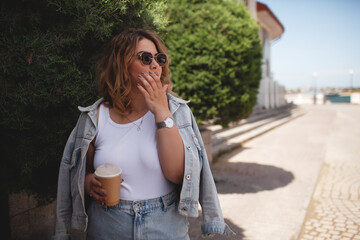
{"x": 321, "y": 36}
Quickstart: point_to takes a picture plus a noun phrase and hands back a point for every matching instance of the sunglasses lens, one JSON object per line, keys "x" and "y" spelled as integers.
{"x": 161, "y": 59}
{"x": 146, "y": 58}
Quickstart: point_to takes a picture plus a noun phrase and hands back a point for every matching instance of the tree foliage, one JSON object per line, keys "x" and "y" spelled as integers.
{"x": 48, "y": 51}
{"x": 216, "y": 57}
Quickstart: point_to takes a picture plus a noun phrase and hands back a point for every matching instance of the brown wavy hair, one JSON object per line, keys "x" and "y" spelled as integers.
{"x": 113, "y": 74}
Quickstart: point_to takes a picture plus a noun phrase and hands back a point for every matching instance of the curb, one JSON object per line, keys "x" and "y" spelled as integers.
{"x": 232, "y": 138}
{"x": 307, "y": 203}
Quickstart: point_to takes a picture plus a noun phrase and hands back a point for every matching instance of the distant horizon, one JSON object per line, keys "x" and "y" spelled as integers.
{"x": 357, "y": 89}
{"x": 321, "y": 37}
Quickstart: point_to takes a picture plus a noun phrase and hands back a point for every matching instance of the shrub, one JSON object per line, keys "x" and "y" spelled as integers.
{"x": 216, "y": 57}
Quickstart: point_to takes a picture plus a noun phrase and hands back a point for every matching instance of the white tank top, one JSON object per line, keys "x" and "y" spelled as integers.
{"x": 135, "y": 152}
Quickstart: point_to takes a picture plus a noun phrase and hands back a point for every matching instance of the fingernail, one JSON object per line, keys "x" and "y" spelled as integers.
{"x": 151, "y": 72}
{"x": 139, "y": 76}
{"x": 142, "y": 73}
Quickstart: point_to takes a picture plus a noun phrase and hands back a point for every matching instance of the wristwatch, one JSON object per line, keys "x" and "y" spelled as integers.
{"x": 168, "y": 122}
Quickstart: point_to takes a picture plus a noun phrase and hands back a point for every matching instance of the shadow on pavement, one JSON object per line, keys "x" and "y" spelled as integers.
{"x": 250, "y": 178}
{"x": 195, "y": 230}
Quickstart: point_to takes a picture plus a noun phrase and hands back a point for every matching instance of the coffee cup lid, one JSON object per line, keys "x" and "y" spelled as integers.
{"x": 107, "y": 170}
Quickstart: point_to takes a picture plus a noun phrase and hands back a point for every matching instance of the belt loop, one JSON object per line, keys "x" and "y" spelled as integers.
{"x": 165, "y": 204}
{"x": 105, "y": 207}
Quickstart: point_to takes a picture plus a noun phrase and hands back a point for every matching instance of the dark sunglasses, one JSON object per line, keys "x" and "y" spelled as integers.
{"x": 147, "y": 58}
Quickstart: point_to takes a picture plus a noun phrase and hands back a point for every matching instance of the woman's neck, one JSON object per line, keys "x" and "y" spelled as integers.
{"x": 138, "y": 104}
{"x": 138, "y": 109}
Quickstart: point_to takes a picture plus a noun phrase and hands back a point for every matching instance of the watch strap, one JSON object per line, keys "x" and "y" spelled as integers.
{"x": 160, "y": 125}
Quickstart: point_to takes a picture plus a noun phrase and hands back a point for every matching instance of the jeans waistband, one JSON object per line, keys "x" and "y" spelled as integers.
{"x": 145, "y": 206}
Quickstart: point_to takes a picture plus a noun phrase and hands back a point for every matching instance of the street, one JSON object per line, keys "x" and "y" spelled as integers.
{"x": 298, "y": 181}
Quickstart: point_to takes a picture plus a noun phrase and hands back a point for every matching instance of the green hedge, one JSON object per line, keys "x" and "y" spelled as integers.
{"x": 216, "y": 57}
{"x": 48, "y": 50}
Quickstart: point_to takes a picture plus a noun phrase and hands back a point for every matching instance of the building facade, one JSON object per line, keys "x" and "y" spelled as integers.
{"x": 271, "y": 94}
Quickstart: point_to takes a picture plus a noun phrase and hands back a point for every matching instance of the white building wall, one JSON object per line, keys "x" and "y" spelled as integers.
{"x": 282, "y": 93}
{"x": 251, "y": 5}
{"x": 265, "y": 92}
{"x": 263, "y": 95}
{"x": 270, "y": 94}
{"x": 277, "y": 94}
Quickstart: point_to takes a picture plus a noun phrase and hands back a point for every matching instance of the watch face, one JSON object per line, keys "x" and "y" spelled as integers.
{"x": 169, "y": 122}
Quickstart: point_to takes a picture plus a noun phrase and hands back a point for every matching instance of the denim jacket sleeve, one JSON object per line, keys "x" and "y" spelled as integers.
{"x": 70, "y": 202}
{"x": 208, "y": 197}
{"x": 64, "y": 201}
{"x": 198, "y": 184}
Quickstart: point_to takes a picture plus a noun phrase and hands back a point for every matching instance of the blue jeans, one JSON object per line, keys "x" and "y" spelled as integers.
{"x": 137, "y": 220}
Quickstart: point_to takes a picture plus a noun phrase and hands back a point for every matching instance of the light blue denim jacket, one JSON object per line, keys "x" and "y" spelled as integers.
{"x": 198, "y": 183}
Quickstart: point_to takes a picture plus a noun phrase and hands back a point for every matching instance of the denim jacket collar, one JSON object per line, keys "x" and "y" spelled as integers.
{"x": 174, "y": 102}
{"x": 92, "y": 110}
{"x": 91, "y": 107}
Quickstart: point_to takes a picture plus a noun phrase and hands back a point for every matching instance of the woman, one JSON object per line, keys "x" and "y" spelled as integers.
{"x": 143, "y": 128}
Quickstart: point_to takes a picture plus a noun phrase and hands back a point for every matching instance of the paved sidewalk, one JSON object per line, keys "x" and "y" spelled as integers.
{"x": 334, "y": 212}
{"x": 266, "y": 186}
